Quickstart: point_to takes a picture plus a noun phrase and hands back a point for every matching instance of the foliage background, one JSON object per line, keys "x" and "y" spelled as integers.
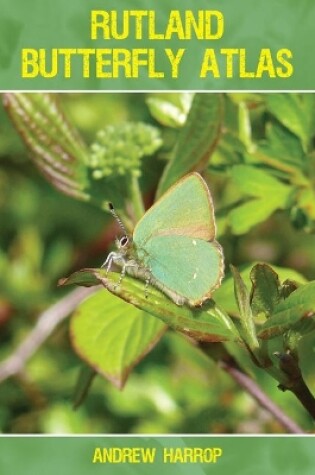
{"x": 45, "y": 235}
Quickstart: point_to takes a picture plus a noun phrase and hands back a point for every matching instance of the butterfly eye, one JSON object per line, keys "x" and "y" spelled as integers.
{"x": 124, "y": 241}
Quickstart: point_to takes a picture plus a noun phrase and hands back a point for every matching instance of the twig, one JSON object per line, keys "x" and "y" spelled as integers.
{"x": 255, "y": 391}
{"x": 303, "y": 394}
{"x": 290, "y": 366}
{"x": 45, "y": 325}
{"x": 219, "y": 353}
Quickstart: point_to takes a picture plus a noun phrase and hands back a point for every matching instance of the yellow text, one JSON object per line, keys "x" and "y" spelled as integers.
{"x": 143, "y": 24}
{"x": 232, "y": 63}
{"x": 98, "y": 62}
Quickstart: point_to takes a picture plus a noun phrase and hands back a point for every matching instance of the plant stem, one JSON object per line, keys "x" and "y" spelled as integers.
{"x": 219, "y": 353}
{"x": 304, "y": 395}
{"x": 251, "y": 387}
{"x": 136, "y": 198}
{"x": 43, "y": 328}
{"x": 295, "y": 383}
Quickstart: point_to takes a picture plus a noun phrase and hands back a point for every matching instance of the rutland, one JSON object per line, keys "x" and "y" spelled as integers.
{"x": 144, "y": 24}
{"x": 124, "y": 455}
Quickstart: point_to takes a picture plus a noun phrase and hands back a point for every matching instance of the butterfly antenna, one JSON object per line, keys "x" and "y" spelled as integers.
{"x": 119, "y": 221}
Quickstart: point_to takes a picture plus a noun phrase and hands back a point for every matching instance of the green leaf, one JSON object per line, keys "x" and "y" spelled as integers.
{"x": 304, "y": 327}
{"x": 296, "y": 112}
{"x": 258, "y": 183}
{"x": 111, "y": 336}
{"x": 251, "y": 213}
{"x": 265, "y": 289}
{"x": 85, "y": 277}
{"x": 196, "y": 140}
{"x": 306, "y": 201}
{"x": 84, "y": 382}
{"x": 224, "y": 295}
{"x": 270, "y": 194}
{"x": 228, "y": 150}
{"x": 208, "y": 323}
{"x": 247, "y": 97}
{"x": 283, "y": 146}
{"x": 299, "y": 306}
{"x": 243, "y": 301}
{"x": 55, "y": 146}
{"x": 288, "y": 287}
{"x": 170, "y": 109}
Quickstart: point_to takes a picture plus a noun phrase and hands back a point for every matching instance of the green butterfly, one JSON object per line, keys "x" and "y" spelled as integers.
{"x": 173, "y": 246}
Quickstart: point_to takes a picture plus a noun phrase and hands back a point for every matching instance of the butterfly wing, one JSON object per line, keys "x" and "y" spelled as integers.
{"x": 186, "y": 209}
{"x": 192, "y": 268}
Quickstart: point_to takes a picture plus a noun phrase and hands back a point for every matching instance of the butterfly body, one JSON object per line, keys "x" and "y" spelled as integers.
{"x": 173, "y": 246}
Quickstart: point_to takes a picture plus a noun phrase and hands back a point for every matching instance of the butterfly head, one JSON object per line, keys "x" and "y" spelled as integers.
{"x": 123, "y": 244}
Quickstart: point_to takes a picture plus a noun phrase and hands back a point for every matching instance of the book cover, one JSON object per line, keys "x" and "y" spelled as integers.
{"x": 157, "y": 210}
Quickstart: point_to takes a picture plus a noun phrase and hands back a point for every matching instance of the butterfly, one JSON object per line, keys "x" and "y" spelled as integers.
{"x": 173, "y": 246}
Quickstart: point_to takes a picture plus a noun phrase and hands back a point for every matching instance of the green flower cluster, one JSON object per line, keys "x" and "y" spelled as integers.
{"x": 118, "y": 149}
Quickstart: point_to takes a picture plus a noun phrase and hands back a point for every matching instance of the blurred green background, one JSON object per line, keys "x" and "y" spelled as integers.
{"x": 45, "y": 235}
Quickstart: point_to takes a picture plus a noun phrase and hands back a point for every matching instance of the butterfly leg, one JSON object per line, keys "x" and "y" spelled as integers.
{"x": 122, "y": 274}
{"x": 109, "y": 261}
{"x": 115, "y": 258}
